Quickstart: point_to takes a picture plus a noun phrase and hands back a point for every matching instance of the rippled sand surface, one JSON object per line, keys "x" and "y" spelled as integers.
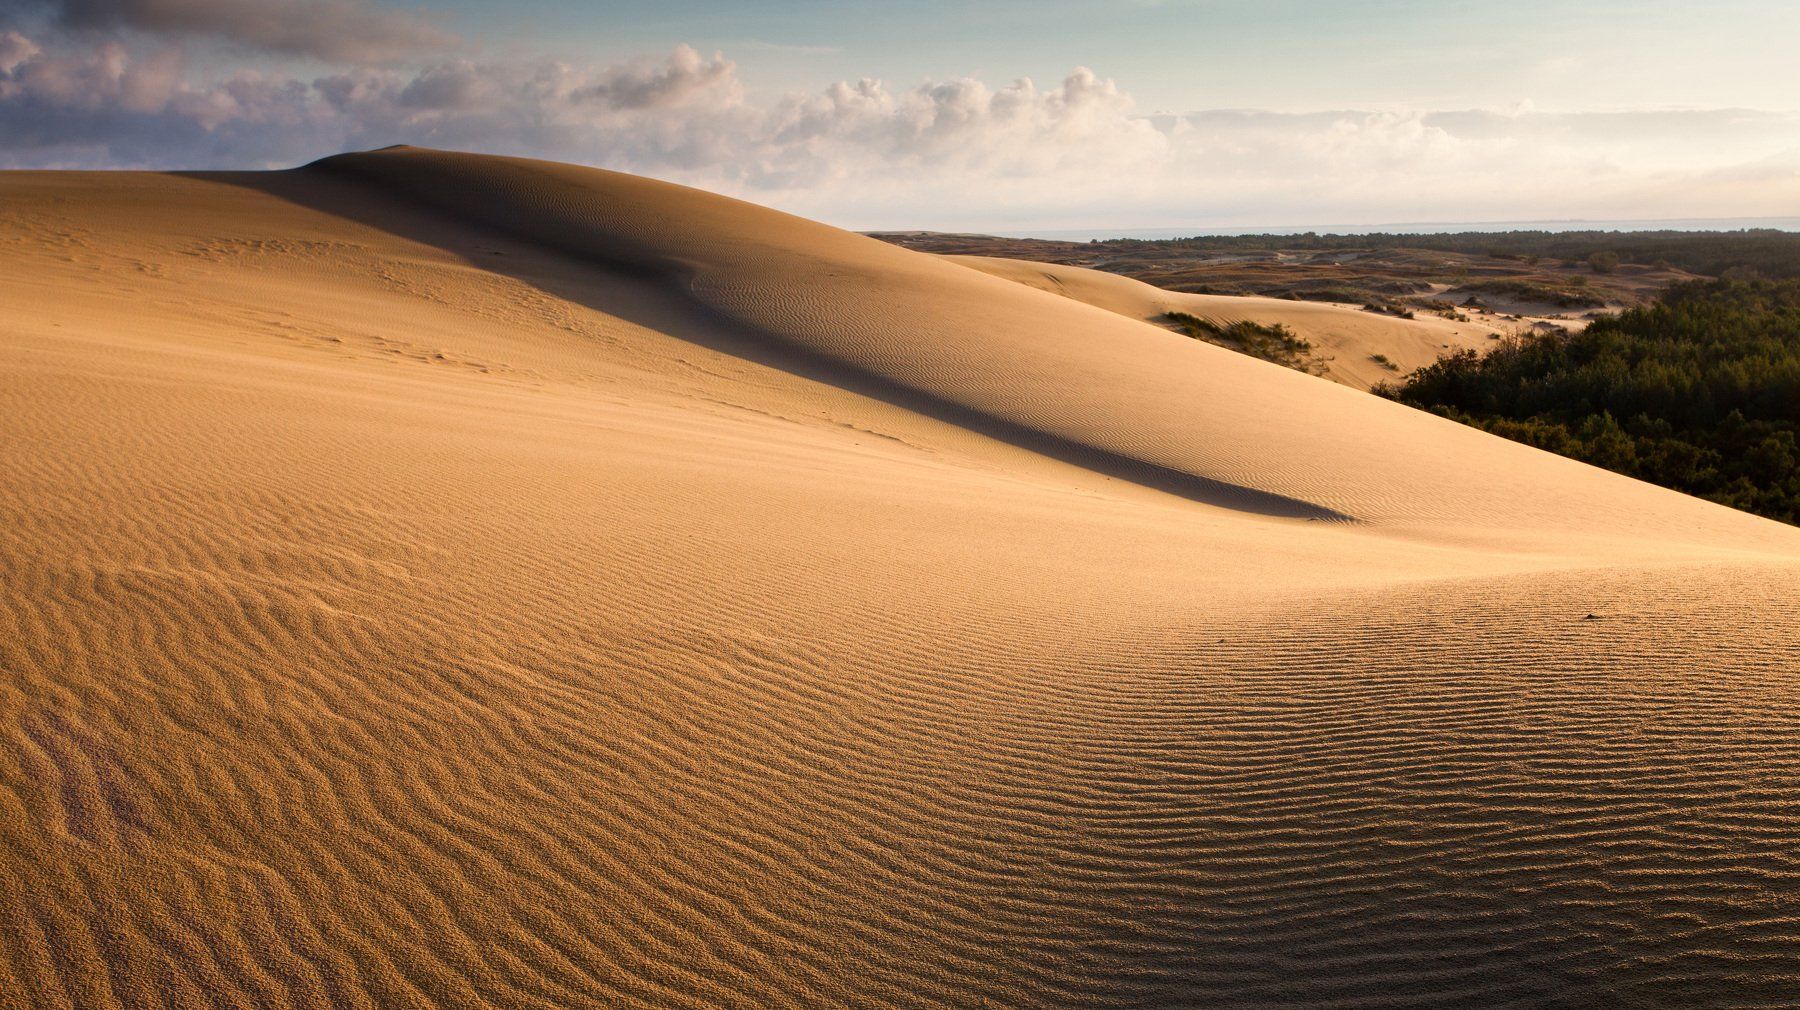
{"x": 431, "y": 580}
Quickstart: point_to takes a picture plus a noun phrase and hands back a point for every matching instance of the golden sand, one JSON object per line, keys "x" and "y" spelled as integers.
{"x": 439, "y": 580}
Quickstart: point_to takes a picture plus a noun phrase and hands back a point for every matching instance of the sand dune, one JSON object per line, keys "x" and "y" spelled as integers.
{"x": 1345, "y": 337}
{"x": 437, "y": 580}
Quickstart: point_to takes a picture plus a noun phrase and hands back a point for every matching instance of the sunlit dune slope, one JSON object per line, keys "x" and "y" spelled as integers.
{"x": 440, "y": 580}
{"x": 1344, "y": 337}
{"x": 992, "y": 356}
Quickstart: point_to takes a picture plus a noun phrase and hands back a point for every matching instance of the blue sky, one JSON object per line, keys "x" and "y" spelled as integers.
{"x": 1140, "y": 113}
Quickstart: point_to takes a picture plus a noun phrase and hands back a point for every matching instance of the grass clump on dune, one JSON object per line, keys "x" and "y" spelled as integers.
{"x": 1270, "y": 342}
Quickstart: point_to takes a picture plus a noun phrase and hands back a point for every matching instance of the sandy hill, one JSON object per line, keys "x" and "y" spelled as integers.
{"x": 440, "y": 580}
{"x": 1346, "y": 338}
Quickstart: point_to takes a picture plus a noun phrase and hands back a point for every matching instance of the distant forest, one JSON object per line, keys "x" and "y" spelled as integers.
{"x": 1698, "y": 391}
{"x": 1763, "y": 251}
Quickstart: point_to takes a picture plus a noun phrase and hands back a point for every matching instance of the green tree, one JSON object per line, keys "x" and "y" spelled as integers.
{"x": 1604, "y": 261}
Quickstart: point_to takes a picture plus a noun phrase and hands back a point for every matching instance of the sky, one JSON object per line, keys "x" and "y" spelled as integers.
{"x": 975, "y": 116}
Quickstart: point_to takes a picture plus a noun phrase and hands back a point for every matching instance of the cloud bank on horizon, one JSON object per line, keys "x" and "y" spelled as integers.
{"x": 272, "y": 83}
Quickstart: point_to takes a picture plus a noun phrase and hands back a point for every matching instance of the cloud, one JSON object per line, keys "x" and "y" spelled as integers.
{"x": 956, "y": 153}
{"x": 336, "y": 30}
{"x": 14, "y": 50}
{"x": 683, "y": 78}
{"x": 956, "y": 128}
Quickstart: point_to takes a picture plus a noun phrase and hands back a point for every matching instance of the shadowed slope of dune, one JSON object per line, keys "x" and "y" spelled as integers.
{"x": 615, "y": 242}
{"x": 433, "y": 580}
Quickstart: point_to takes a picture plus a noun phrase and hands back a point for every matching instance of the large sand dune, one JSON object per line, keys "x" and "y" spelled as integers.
{"x": 435, "y": 580}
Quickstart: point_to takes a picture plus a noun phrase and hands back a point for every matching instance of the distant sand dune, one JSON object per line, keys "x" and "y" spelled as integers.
{"x": 1345, "y": 338}
{"x": 439, "y": 580}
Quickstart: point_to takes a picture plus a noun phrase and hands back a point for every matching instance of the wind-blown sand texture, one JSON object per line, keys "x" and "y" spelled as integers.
{"x": 437, "y": 580}
{"x": 1345, "y": 338}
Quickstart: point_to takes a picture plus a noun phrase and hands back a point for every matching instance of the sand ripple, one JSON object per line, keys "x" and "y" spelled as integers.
{"x": 452, "y": 621}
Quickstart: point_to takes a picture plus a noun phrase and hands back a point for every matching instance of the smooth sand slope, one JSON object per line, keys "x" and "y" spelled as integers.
{"x": 1345, "y": 338}
{"x": 435, "y": 580}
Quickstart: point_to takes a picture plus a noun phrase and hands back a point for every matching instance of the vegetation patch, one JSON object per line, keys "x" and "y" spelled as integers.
{"x": 1390, "y": 309}
{"x": 1577, "y": 271}
{"x": 1570, "y": 294}
{"x": 1699, "y": 392}
{"x": 1274, "y": 342}
{"x": 1766, "y": 251}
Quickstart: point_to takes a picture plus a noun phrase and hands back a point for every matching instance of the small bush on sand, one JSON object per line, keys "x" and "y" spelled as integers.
{"x": 1270, "y": 342}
